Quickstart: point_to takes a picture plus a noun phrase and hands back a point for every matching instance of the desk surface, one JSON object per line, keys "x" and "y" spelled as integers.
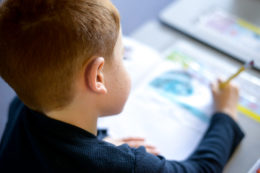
{"x": 160, "y": 38}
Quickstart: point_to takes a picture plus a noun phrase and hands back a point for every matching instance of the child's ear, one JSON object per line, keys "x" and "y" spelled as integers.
{"x": 94, "y": 76}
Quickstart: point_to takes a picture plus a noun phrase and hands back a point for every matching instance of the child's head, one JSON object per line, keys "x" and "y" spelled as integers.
{"x": 50, "y": 48}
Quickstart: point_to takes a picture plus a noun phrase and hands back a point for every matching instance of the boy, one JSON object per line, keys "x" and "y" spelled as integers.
{"x": 64, "y": 60}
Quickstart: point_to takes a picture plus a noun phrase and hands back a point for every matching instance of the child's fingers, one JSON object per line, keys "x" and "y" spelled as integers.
{"x": 235, "y": 86}
{"x": 149, "y": 148}
{"x": 220, "y": 80}
{"x": 152, "y": 151}
{"x": 136, "y": 144}
{"x": 129, "y": 139}
{"x": 214, "y": 87}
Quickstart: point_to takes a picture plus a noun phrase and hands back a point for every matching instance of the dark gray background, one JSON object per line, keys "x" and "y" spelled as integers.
{"x": 133, "y": 14}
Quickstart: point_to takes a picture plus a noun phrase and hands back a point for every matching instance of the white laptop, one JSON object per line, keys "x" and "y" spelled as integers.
{"x": 230, "y": 26}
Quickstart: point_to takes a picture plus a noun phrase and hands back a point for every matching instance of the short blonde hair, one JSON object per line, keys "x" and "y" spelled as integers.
{"x": 44, "y": 44}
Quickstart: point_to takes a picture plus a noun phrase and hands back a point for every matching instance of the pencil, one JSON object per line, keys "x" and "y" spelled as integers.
{"x": 243, "y": 68}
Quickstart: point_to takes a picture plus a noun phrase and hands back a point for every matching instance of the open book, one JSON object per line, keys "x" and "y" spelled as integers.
{"x": 170, "y": 104}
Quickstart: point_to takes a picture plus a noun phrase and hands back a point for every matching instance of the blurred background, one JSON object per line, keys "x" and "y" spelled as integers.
{"x": 134, "y": 13}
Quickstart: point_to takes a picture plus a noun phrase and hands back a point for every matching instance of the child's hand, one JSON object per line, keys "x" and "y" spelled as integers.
{"x": 226, "y": 99}
{"x": 133, "y": 142}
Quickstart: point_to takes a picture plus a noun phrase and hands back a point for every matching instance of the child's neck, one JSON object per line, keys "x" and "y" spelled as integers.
{"x": 78, "y": 116}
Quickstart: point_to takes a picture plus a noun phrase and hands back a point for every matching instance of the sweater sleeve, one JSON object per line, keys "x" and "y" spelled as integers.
{"x": 211, "y": 155}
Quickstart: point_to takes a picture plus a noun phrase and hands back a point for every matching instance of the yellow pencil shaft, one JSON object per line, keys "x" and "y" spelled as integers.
{"x": 224, "y": 84}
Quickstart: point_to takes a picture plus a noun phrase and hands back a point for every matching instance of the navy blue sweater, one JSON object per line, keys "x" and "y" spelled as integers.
{"x": 32, "y": 142}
